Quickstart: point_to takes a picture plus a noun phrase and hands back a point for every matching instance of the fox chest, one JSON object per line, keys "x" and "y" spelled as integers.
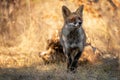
{"x": 73, "y": 39}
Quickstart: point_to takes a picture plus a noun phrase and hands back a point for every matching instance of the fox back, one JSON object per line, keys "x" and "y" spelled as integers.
{"x": 72, "y": 36}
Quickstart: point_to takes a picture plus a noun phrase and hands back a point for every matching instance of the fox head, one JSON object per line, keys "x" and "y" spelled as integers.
{"x": 73, "y": 19}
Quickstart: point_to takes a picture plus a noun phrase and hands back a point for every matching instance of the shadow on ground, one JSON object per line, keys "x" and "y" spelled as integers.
{"x": 108, "y": 70}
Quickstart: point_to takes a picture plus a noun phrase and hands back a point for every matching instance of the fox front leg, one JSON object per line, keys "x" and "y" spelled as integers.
{"x": 75, "y": 61}
{"x": 68, "y": 58}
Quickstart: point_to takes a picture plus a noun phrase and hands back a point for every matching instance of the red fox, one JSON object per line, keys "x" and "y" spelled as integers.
{"x": 72, "y": 36}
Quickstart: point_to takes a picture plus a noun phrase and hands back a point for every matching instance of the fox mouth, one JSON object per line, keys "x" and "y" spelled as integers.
{"x": 76, "y": 27}
{"x": 77, "y": 24}
{"x": 73, "y": 25}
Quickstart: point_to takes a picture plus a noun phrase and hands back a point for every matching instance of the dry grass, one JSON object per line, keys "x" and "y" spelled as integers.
{"x": 57, "y": 72}
{"x": 26, "y": 26}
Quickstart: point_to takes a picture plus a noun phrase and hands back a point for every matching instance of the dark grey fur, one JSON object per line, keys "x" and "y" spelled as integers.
{"x": 72, "y": 36}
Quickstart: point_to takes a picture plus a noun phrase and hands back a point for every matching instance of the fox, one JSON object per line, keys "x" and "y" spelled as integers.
{"x": 72, "y": 36}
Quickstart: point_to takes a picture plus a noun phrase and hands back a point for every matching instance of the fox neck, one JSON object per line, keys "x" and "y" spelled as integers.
{"x": 67, "y": 30}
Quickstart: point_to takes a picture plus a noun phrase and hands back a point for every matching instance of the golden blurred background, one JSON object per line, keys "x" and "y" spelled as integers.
{"x": 26, "y": 25}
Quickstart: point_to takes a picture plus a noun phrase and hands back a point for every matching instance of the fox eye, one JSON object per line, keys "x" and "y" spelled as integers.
{"x": 79, "y": 18}
{"x": 71, "y": 19}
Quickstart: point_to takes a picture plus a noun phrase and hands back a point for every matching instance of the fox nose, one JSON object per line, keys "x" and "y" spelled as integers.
{"x": 77, "y": 23}
{"x": 80, "y": 23}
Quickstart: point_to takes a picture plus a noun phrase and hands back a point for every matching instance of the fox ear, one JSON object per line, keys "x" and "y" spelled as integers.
{"x": 80, "y": 10}
{"x": 65, "y": 11}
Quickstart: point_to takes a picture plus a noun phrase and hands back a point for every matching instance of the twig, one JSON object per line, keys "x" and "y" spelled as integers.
{"x": 112, "y": 4}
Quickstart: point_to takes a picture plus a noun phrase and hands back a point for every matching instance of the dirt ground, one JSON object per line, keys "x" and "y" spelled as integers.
{"x": 58, "y": 72}
{"x": 31, "y": 67}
